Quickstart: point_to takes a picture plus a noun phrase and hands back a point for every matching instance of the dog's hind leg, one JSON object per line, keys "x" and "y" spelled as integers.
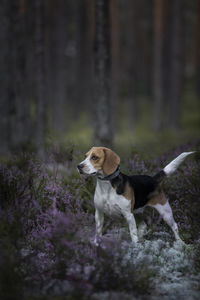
{"x": 166, "y": 212}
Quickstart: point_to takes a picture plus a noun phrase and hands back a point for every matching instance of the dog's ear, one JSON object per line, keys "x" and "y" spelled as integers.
{"x": 111, "y": 161}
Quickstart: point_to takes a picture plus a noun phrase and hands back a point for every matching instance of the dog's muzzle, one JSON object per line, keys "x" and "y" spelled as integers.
{"x": 81, "y": 170}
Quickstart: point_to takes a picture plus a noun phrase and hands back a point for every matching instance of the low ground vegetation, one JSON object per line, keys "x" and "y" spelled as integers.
{"x": 47, "y": 229}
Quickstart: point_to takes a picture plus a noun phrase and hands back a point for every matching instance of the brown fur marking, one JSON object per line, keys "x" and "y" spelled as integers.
{"x": 111, "y": 161}
{"x": 129, "y": 194}
{"x": 97, "y": 151}
{"x": 158, "y": 197}
{"x": 107, "y": 159}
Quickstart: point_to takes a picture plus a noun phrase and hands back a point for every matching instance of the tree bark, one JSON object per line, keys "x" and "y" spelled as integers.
{"x": 19, "y": 105}
{"x": 159, "y": 8}
{"x": 15, "y": 102}
{"x": 115, "y": 54}
{"x": 102, "y": 65}
{"x": 175, "y": 65}
{"x": 4, "y": 77}
{"x": 149, "y": 50}
{"x": 83, "y": 60}
{"x": 56, "y": 35}
{"x": 40, "y": 122}
{"x": 198, "y": 47}
{"x": 132, "y": 59}
{"x": 90, "y": 4}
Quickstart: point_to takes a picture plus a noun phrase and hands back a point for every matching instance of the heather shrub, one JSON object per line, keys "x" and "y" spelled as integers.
{"x": 47, "y": 230}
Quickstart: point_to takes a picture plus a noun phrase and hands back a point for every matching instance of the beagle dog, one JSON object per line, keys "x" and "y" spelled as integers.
{"x": 118, "y": 194}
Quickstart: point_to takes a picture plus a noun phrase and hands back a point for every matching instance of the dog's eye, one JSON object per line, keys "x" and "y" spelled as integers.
{"x": 94, "y": 157}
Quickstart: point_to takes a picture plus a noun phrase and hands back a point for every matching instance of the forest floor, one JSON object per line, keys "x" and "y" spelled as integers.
{"x": 170, "y": 275}
{"x": 47, "y": 230}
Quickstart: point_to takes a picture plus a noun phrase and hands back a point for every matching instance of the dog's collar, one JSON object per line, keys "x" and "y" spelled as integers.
{"x": 111, "y": 176}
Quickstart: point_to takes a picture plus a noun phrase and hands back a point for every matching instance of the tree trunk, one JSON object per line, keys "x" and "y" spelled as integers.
{"x": 56, "y": 68}
{"x": 175, "y": 65}
{"x": 159, "y": 8}
{"x": 19, "y": 117}
{"x": 149, "y": 50}
{"x": 15, "y": 105}
{"x": 102, "y": 65}
{"x": 83, "y": 71}
{"x": 4, "y": 77}
{"x": 90, "y": 4}
{"x": 115, "y": 54}
{"x": 198, "y": 47}
{"x": 40, "y": 122}
{"x": 132, "y": 59}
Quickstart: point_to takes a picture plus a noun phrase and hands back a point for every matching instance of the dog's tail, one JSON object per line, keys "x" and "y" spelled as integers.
{"x": 171, "y": 167}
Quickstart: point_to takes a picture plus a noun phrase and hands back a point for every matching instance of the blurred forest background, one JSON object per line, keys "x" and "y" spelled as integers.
{"x": 103, "y": 72}
{"x": 76, "y": 73}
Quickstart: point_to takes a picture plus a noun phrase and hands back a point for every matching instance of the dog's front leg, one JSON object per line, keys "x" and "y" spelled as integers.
{"x": 132, "y": 226}
{"x": 99, "y": 219}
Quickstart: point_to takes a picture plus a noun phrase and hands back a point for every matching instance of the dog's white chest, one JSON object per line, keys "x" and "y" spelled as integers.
{"x": 107, "y": 200}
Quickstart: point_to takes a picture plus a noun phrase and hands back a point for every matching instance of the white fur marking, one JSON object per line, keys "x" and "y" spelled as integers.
{"x": 107, "y": 201}
{"x": 174, "y": 164}
{"x": 88, "y": 166}
{"x": 166, "y": 212}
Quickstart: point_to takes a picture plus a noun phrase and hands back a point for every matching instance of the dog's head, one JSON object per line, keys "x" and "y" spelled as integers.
{"x": 99, "y": 159}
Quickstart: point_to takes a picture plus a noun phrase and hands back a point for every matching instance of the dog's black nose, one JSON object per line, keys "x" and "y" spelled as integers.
{"x": 80, "y": 166}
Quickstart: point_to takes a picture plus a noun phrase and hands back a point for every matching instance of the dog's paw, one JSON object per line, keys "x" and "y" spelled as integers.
{"x": 179, "y": 244}
{"x": 97, "y": 241}
{"x": 142, "y": 229}
{"x": 134, "y": 239}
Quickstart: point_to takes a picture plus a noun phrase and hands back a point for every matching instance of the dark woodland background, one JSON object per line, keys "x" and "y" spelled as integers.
{"x": 76, "y": 73}
{"x": 98, "y": 72}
